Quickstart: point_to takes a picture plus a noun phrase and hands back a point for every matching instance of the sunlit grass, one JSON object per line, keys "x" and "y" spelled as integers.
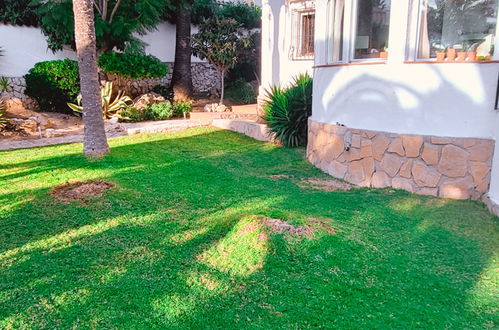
{"x": 179, "y": 244}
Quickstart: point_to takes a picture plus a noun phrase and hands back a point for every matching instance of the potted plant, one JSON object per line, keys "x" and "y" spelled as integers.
{"x": 461, "y": 52}
{"x": 384, "y": 53}
{"x": 451, "y": 54}
{"x": 440, "y": 53}
{"x": 471, "y": 52}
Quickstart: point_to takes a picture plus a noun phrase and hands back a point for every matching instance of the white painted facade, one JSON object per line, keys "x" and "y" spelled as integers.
{"x": 278, "y": 64}
{"x": 397, "y": 95}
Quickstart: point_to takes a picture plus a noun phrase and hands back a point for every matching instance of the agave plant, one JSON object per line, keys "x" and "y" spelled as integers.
{"x": 3, "y": 110}
{"x": 4, "y": 84}
{"x": 110, "y": 105}
{"x": 287, "y": 111}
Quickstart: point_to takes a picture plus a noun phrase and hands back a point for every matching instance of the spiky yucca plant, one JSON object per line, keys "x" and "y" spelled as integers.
{"x": 110, "y": 105}
{"x": 3, "y": 110}
{"x": 287, "y": 110}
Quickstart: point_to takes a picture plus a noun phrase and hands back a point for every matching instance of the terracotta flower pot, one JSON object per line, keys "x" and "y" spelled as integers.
{"x": 461, "y": 56}
{"x": 440, "y": 56}
{"x": 383, "y": 54}
{"x": 451, "y": 54}
{"x": 471, "y": 56}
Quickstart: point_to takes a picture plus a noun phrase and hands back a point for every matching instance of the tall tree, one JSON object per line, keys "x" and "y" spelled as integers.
{"x": 94, "y": 141}
{"x": 182, "y": 77}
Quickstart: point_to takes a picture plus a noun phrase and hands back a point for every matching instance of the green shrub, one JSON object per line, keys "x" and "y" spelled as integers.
{"x": 132, "y": 114}
{"x": 241, "y": 92}
{"x": 163, "y": 91}
{"x": 132, "y": 65}
{"x": 53, "y": 84}
{"x": 287, "y": 111}
{"x": 159, "y": 111}
{"x": 181, "y": 107}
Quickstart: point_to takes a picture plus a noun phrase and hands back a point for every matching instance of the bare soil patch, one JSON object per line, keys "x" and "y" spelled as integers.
{"x": 328, "y": 185}
{"x": 281, "y": 226}
{"x": 280, "y": 176}
{"x": 80, "y": 191}
{"x": 321, "y": 223}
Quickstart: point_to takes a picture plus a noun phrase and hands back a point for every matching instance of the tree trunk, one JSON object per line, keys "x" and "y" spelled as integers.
{"x": 94, "y": 140}
{"x": 222, "y": 90}
{"x": 182, "y": 77}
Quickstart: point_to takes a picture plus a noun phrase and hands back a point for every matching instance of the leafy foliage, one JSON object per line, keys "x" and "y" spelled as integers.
{"x": 241, "y": 92}
{"x": 4, "y": 84}
{"x": 3, "y": 110}
{"x": 110, "y": 104}
{"x": 53, "y": 84}
{"x": 132, "y": 65}
{"x": 220, "y": 41}
{"x": 18, "y": 12}
{"x": 287, "y": 111}
{"x": 157, "y": 111}
{"x": 249, "y": 16}
{"x": 181, "y": 107}
{"x": 117, "y": 22}
{"x": 163, "y": 91}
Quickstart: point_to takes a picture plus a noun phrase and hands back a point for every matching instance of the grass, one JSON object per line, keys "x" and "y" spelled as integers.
{"x": 176, "y": 244}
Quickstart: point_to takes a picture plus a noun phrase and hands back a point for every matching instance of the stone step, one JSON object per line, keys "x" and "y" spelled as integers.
{"x": 208, "y": 117}
{"x": 258, "y": 131}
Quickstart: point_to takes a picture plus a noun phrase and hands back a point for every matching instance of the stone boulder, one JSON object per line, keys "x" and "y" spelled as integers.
{"x": 215, "y": 107}
{"x": 141, "y": 102}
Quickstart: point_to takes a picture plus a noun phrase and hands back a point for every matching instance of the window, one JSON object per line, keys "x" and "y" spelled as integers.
{"x": 304, "y": 27}
{"x": 358, "y": 29}
{"x": 336, "y": 27}
{"x": 466, "y": 26}
{"x": 371, "y": 37}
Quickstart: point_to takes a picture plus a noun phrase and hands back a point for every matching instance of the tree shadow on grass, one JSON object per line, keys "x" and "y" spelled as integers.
{"x": 135, "y": 257}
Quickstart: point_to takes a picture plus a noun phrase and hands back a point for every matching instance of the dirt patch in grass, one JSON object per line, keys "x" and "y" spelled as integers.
{"x": 280, "y": 176}
{"x": 80, "y": 191}
{"x": 321, "y": 223}
{"x": 327, "y": 185}
{"x": 281, "y": 226}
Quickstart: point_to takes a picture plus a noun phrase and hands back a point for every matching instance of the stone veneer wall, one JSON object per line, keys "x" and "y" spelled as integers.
{"x": 448, "y": 167}
{"x": 205, "y": 79}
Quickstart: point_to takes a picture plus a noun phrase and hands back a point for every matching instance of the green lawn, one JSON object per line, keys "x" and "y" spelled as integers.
{"x": 178, "y": 244}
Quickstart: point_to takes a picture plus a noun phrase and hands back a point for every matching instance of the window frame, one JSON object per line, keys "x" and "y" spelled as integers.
{"x": 297, "y": 10}
{"x": 350, "y": 21}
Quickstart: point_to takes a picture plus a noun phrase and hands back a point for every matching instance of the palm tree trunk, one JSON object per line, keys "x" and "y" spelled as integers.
{"x": 94, "y": 140}
{"x": 182, "y": 77}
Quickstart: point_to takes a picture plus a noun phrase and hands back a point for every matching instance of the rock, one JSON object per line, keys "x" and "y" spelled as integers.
{"x": 379, "y": 146}
{"x": 391, "y": 164}
{"x": 479, "y": 172}
{"x": 336, "y": 146}
{"x": 430, "y": 154}
{"x": 355, "y": 173}
{"x": 427, "y": 191}
{"x": 481, "y": 152}
{"x": 356, "y": 141}
{"x": 52, "y": 133}
{"x": 412, "y": 145}
{"x": 457, "y": 188}
{"x": 440, "y": 140}
{"x": 403, "y": 183}
{"x": 380, "y": 180}
{"x": 368, "y": 165}
{"x": 406, "y": 169}
{"x": 453, "y": 162}
{"x": 336, "y": 169}
{"x": 396, "y": 147}
{"x": 366, "y": 149}
{"x": 425, "y": 176}
{"x": 141, "y": 102}
{"x": 215, "y": 107}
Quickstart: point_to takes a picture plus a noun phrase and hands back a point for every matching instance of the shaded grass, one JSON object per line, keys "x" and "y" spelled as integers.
{"x": 176, "y": 243}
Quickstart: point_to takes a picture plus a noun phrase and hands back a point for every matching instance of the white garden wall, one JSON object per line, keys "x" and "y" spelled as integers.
{"x": 24, "y": 46}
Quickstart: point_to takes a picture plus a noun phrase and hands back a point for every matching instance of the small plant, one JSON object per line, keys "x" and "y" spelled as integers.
{"x": 4, "y": 84}
{"x": 53, "y": 84}
{"x": 159, "y": 111}
{"x": 132, "y": 114}
{"x": 287, "y": 111}
{"x": 182, "y": 108}
{"x": 110, "y": 105}
{"x": 163, "y": 91}
{"x": 132, "y": 65}
{"x": 3, "y": 110}
{"x": 241, "y": 92}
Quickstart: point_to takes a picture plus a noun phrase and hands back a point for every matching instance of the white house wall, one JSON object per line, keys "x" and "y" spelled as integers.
{"x": 413, "y": 102}
{"x": 277, "y": 65}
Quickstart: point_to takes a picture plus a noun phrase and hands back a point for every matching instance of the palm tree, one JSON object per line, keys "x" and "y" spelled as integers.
{"x": 94, "y": 140}
{"x": 182, "y": 78}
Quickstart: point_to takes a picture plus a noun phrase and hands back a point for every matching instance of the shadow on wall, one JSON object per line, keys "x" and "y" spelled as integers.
{"x": 415, "y": 99}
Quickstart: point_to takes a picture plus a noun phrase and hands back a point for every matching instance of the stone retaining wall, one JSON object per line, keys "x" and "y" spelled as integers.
{"x": 448, "y": 167}
{"x": 205, "y": 79}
